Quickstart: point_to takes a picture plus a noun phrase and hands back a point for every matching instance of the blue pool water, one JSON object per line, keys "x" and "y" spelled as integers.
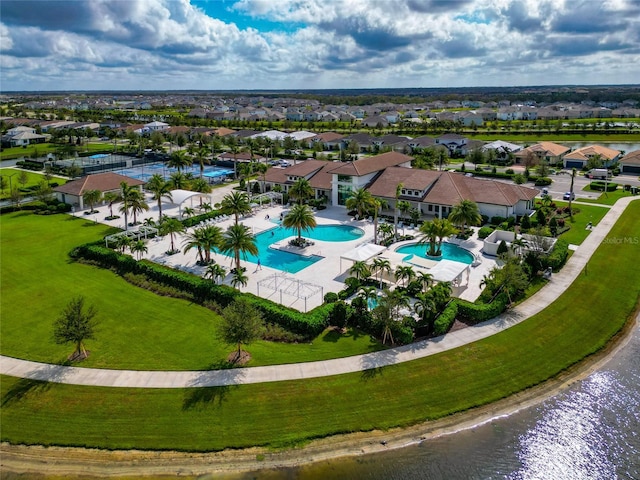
{"x": 449, "y": 252}
{"x": 144, "y": 172}
{"x": 292, "y": 262}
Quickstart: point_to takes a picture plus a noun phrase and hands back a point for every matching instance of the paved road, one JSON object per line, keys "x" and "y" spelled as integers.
{"x": 274, "y": 373}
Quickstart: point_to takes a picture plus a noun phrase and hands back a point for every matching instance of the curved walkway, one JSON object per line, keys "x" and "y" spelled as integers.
{"x": 275, "y": 373}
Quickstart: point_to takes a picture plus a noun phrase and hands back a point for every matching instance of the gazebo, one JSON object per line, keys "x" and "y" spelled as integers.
{"x": 362, "y": 253}
{"x": 178, "y": 197}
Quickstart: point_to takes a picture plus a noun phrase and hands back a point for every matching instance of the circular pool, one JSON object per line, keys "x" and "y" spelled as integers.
{"x": 449, "y": 252}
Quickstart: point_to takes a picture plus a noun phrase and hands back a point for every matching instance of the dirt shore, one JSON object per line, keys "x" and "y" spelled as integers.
{"x": 16, "y": 460}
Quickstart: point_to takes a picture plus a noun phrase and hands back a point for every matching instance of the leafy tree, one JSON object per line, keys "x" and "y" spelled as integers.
{"x": 3, "y": 183}
{"x": 241, "y": 324}
{"x": 92, "y": 197}
{"x": 236, "y": 203}
{"x": 301, "y": 218}
{"x": 525, "y": 223}
{"x": 236, "y": 240}
{"x": 160, "y": 189}
{"x": 23, "y": 178}
{"x": 75, "y": 325}
{"x": 43, "y": 191}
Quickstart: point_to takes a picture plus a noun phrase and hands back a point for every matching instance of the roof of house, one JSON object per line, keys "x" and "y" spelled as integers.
{"x": 631, "y": 158}
{"x": 328, "y": 137}
{"x": 585, "y": 153}
{"x": 545, "y": 147}
{"x": 367, "y": 165}
{"x": 105, "y": 182}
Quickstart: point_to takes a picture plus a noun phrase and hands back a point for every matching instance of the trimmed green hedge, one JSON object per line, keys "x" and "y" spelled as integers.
{"x": 599, "y": 185}
{"x": 445, "y": 320}
{"x": 309, "y": 324}
{"x": 480, "y": 312}
{"x": 558, "y": 256}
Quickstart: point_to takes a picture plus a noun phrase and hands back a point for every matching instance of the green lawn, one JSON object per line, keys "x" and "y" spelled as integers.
{"x": 42, "y": 149}
{"x": 531, "y": 138}
{"x": 138, "y": 329}
{"x": 290, "y": 413}
{"x": 588, "y": 213}
{"x": 33, "y": 178}
{"x": 609, "y": 199}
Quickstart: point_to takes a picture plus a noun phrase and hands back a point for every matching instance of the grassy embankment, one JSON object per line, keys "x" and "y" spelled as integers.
{"x": 42, "y": 149}
{"x": 33, "y": 179}
{"x": 289, "y": 413}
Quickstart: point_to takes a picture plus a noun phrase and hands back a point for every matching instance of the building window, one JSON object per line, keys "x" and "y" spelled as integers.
{"x": 430, "y": 208}
{"x": 345, "y": 179}
{"x": 344, "y": 192}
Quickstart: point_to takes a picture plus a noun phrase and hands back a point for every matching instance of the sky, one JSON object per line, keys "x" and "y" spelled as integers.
{"x": 49, "y": 45}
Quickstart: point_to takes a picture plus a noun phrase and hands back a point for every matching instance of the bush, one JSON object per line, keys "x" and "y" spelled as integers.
{"x": 599, "y": 186}
{"x": 497, "y": 220}
{"x": 330, "y": 297}
{"x": 445, "y": 320}
{"x": 509, "y": 171}
{"x": 484, "y": 232}
{"x": 558, "y": 256}
{"x": 485, "y": 219}
{"x": 525, "y": 222}
{"x": 339, "y": 314}
{"x": 502, "y": 248}
{"x": 542, "y": 181}
{"x": 479, "y": 312}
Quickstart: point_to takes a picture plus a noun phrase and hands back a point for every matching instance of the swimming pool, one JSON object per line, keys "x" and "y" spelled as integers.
{"x": 144, "y": 172}
{"x": 292, "y": 262}
{"x": 449, "y": 252}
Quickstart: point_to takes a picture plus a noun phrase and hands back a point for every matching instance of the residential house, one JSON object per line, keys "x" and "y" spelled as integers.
{"x": 548, "y": 152}
{"x": 455, "y": 143}
{"x": 580, "y": 157}
{"x": 72, "y": 192}
{"x": 630, "y": 163}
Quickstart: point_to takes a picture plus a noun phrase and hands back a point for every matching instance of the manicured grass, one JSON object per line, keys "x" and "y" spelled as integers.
{"x": 289, "y": 413}
{"x": 42, "y": 149}
{"x": 33, "y": 178}
{"x": 578, "y": 231}
{"x": 138, "y": 329}
{"x": 609, "y": 199}
{"x": 531, "y": 138}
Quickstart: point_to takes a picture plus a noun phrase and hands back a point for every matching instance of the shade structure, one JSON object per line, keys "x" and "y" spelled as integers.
{"x": 362, "y": 253}
{"x": 448, "y": 270}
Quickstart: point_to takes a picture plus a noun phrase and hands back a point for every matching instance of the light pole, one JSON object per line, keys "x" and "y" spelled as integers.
{"x": 10, "y": 182}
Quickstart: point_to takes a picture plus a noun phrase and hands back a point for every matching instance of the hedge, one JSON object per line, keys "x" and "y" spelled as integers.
{"x": 600, "y": 186}
{"x": 558, "y": 256}
{"x": 308, "y": 324}
{"x": 479, "y": 312}
{"x": 445, "y": 320}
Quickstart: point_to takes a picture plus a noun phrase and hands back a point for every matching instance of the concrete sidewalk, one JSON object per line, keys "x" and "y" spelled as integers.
{"x": 274, "y": 373}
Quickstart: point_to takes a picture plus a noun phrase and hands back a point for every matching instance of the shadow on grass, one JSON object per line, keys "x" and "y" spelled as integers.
{"x": 212, "y": 387}
{"x": 39, "y": 381}
{"x": 373, "y": 364}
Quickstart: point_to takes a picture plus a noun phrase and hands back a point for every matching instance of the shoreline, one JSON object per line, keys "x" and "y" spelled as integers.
{"x": 83, "y": 462}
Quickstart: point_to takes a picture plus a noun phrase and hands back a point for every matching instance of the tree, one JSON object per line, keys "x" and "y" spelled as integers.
{"x": 43, "y": 191}
{"x": 178, "y": 181}
{"x": 23, "y": 178}
{"x": 387, "y": 312}
{"x": 434, "y": 233}
{"x": 137, "y": 204}
{"x": 201, "y": 158}
{"x": 179, "y": 160}
{"x": 159, "y": 189}
{"x": 360, "y": 270}
{"x": 75, "y": 325}
{"x": 236, "y": 240}
{"x": 127, "y": 194}
{"x": 404, "y": 207}
{"x": 171, "y": 226}
{"x": 139, "y": 247}
{"x": 381, "y": 265}
{"x": 204, "y": 240}
{"x": 405, "y": 273}
{"x": 425, "y": 279}
{"x": 122, "y": 243}
{"x": 426, "y": 308}
{"x": 300, "y": 217}
{"x": 465, "y": 213}
{"x": 241, "y": 323}
{"x": 399, "y": 188}
{"x": 236, "y": 203}
{"x": 573, "y": 176}
{"x": 215, "y": 272}
{"x": 200, "y": 185}
{"x": 92, "y": 197}
{"x": 239, "y": 279}
{"x": 359, "y": 200}
{"x": 368, "y": 294}
{"x": 301, "y": 190}
{"x": 111, "y": 198}
{"x": 188, "y": 212}
{"x": 3, "y": 183}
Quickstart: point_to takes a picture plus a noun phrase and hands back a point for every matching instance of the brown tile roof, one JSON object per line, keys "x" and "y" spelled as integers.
{"x": 322, "y": 179}
{"x": 585, "y": 152}
{"x": 328, "y": 137}
{"x": 317, "y": 168}
{"x": 368, "y": 165}
{"x": 553, "y": 149}
{"x": 632, "y": 158}
{"x": 415, "y": 179}
{"x": 105, "y": 182}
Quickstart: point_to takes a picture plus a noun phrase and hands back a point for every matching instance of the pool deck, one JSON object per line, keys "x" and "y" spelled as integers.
{"x": 326, "y": 275}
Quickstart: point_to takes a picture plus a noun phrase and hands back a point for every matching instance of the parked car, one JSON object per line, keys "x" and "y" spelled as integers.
{"x": 569, "y": 196}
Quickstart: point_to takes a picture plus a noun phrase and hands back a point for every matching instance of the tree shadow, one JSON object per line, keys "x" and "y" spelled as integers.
{"x": 373, "y": 364}
{"x": 38, "y": 381}
{"x": 212, "y": 387}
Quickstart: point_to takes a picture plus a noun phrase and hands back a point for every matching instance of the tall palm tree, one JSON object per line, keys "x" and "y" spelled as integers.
{"x": 377, "y": 204}
{"x": 160, "y": 189}
{"x": 396, "y": 208}
{"x": 211, "y": 237}
{"x": 179, "y": 160}
{"x": 127, "y": 192}
{"x": 139, "y": 247}
{"x": 200, "y": 185}
{"x": 111, "y": 198}
{"x": 465, "y": 213}
{"x": 301, "y": 190}
{"x": 201, "y": 158}
{"x": 359, "y": 200}
{"x": 178, "y": 181}
{"x": 236, "y": 203}
{"x": 434, "y": 233}
{"x": 137, "y": 204}
{"x": 404, "y": 207}
{"x": 236, "y": 240}
{"x": 381, "y": 265}
{"x": 171, "y": 226}
{"x": 425, "y": 279}
{"x": 301, "y": 218}
{"x": 215, "y": 272}
{"x": 573, "y": 176}
{"x": 360, "y": 270}
{"x": 92, "y": 197}
{"x": 405, "y": 273}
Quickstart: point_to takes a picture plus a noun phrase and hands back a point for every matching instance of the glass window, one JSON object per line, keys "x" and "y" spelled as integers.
{"x": 344, "y": 192}
{"x": 344, "y": 178}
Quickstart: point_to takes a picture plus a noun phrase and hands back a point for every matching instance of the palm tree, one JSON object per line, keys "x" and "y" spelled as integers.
{"x": 360, "y": 270}
{"x": 92, "y": 197}
{"x": 236, "y": 203}
{"x": 127, "y": 194}
{"x": 188, "y": 212}
{"x": 178, "y": 181}
{"x": 377, "y": 204}
{"x": 215, "y": 272}
{"x": 179, "y": 160}
{"x": 465, "y": 213}
{"x": 238, "y": 279}
{"x": 425, "y": 279}
{"x": 399, "y": 188}
{"x": 405, "y": 273}
{"x": 160, "y": 189}
{"x": 359, "y": 200}
{"x": 388, "y": 311}
{"x": 200, "y": 185}
{"x": 386, "y": 229}
{"x": 139, "y": 247}
{"x": 367, "y": 293}
{"x": 425, "y": 307}
{"x": 111, "y": 198}
{"x": 434, "y": 233}
{"x": 404, "y": 207}
{"x": 201, "y": 158}
{"x": 381, "y": 265}
{"x": 301, "y": 218}
{"x": 573, "y": 176}
{"x": 137, "y": 204}
{"x": 204, "y": 240}
{"x": 171, "y": 226}
{"x": 122, "y": 243}
{"x": 301, "y": 190}
{"x": 238, "y": 239}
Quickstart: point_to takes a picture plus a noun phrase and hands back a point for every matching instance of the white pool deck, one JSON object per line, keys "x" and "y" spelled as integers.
{"x": 327, "y": 273}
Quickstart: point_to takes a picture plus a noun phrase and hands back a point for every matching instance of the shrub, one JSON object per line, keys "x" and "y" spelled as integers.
{"x": 445, "y": 320}
{"x": 502, "y": 248}
{"x": 484, "y": 232}
{"x": 525, "y": 222}
{"x": 330, "y": 297}
{"x": 600, "y": 186}
{"x": 497, "y": 220}
{"x": 558, "y": 256}
{"x": 542, "y": 181}
{"x": 480, "y": 312}
{"x": 519, "y": 179}
{"x": 509, "y": 171}
{"x": 339, "y": 314}
{"x": 485, "y": 219}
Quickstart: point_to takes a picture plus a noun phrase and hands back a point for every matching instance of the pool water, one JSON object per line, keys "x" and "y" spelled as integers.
{"x": 292, "y": 262}
{"x": 144, "y": 172}
{"x": 449, "y": 252}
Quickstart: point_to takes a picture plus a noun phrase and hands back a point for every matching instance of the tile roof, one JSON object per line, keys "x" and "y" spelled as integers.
{"x": 367, "y": 165}
{"x": 632, "y": 158}
{"x": 105, "y": 182}
{"x": 585, "y": 153}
